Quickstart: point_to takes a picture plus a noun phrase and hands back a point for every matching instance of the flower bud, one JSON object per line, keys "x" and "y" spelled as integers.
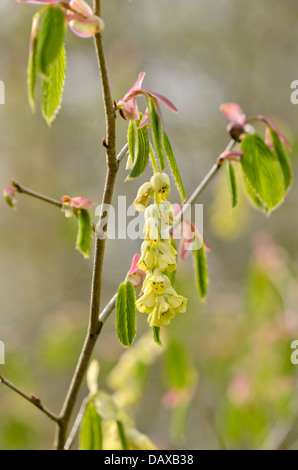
{"x": 161, "y": 185}
{"x": 235, "y": 130}
{"x": 9, "y": 196}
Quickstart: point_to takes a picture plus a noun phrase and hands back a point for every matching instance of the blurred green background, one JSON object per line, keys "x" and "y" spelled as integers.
{"x": 199, "y": 54}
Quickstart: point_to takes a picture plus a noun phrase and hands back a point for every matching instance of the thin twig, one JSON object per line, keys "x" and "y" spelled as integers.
{"x": 76, "y": 425}
{"x": 122, "y": 153}
{"x": 31, "y": 398}
{"x": 108, "y": 310}
{"x": 21, "y": 189}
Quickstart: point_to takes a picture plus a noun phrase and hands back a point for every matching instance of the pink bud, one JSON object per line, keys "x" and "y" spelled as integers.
{"x": 81, "y": 7}
{"x": 40, "y": 2}
{"x": 171, "y": 399}
{"x": 84, "y": 27}
{"x": 272, "y": 126}
{"x": 234, "y": 113}
{"x": 9, "y": 196}
{"x": 129, "y": 108}
{"x": 240, "y": 390}
{"x": 232, "y": 156}
{"x": 136, "y": 276}
{"x": 80, "y": 203}
{"x": 82, "y": 21}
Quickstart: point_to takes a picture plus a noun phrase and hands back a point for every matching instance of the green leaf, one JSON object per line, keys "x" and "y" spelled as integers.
{"x": 283, "y": 159}
{"x": 138, "y": 143}
{"x": 177, "y": 366}
{"x": 52, "y": 88}
{"x": 157, "y": 132}
{"x": 91, "y": 429}
{"x": 253, "y": 198}
{"x": 260, "y": 168}
{"x": 126, "y": 313}
{"x": 122, "y": 435}
{"x": 174, "y": 167}
{"x": 32, "y": 66}
{"x": 156, "y": 335}
{"x": 84, "y": 232}
{"x": 232, "y": 184}
{"x": 201, "y": 271}
{"x": 132, "y": 139}
{"x": 50, "y": 38}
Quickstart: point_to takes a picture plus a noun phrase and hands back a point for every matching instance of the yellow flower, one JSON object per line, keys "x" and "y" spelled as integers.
{"x": 178, "y": 302}
{"x": 166, "y": 257}
{"x": 160, "y": 183}
{"x": 144, "y": 195}
{"x": 160, "y": 301}
{"x": 162, "y": 314}
{"x": 151, "y": 229}
{"x": 166, "y": 213}
{"x": 148, "y": 259}
{"x": 157, "y": 254}
{"x": 147, "y": 302}
{"x": 156, "y": 282}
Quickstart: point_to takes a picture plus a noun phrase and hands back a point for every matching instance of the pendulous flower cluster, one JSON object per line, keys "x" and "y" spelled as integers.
{"x": 159, "y": 300}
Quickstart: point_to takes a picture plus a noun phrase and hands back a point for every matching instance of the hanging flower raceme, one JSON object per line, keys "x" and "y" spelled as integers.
{"x": 78, "y": 14}
{"x": 159, "y": 300}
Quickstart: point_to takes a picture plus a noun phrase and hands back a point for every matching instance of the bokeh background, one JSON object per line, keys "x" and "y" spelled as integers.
{"x": 199, "y": 54}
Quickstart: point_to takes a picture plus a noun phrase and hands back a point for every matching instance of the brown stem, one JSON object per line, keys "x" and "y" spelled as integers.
{"x": 21, "y": 189}
{"x": 31, "y": 398}
{"x": 95, "y": 325}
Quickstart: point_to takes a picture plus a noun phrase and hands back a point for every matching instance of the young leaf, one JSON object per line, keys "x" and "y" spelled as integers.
{"x": 283, "y": 159}
{"x": 232, "y": 184}
{"x": 156, "y": 335}
{"x": 157, "y": 132}
{"x": 126, "y": 313}
{"x": 201, "y": 271}
{"x": 122, "y": 435}
{"x": 132, "y": 139}
{"x": 52, "y": 88}
{"x": 84, "y": 232}
{"x": 91, "y": 429}
{"x": 252, "y": 197}
{"x": 261, "y": 172}
{"x": 32, "y": 63}
{"x": 138, "y": 142}
{"x": 50, "y": 38}
{"x": 174, "y": 167}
